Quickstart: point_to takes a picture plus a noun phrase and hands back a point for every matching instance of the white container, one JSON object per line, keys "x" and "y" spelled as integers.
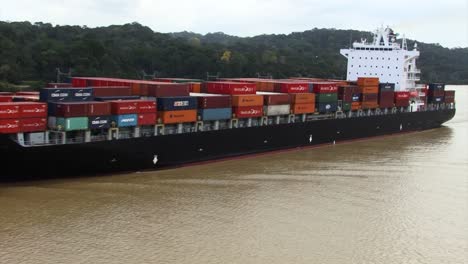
{"x": 276, "y": 110}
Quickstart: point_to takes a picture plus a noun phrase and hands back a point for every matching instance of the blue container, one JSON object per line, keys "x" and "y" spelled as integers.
{"x": 115, "y": 98}
{"x": 211, "y": 114}
{"x": 177, "y": 103}
{"x": 55, "y": 94}
{"x": 326, "y": 107}
{"x": 82, "y": 94}
{"x": 437, "y": 86}
{"x": 125, "y": 120}
{"x": 99, "y": 122}
{"x": 356, "y": 98}
{"x": 51, "y": 108}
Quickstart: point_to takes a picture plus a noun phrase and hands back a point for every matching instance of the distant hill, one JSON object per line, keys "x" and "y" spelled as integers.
{"x": 33, "y": 52}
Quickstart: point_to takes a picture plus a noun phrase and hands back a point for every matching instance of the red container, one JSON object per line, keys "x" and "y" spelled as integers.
{"x": 276, "y": 99}
{"x": 6, "y": 94}
{"x": 112, "y": 91}
{"x": 28, "y": 93}
{"x": 221, "y": 101}
{"x": 370, "y": 97}
{"x": 292, "y": 87}
{"x": 33, "y": 124}
{"x": 9, "y": 110}
{"x": 9, "y": 126}
{"x": 124, "y": 107}
{"x": 402, "y": 96}
{"x": 436, "y": 93}
{"x": 147, "y": 119}
{"x": 78, "y": 82}
{"x": 402, "y": 103}
{"x": 169, "y": 89}
{"x": 146, "y": 106}
{"x": 99, "y": 108}
{"x": 369, "y": 105}
{"x": 32, "y": 109}
{"x": 248, "y": 111}
{"x": 6, "y": 98}
{"x": 324, "y": 87}
{"x": 449, "y": 97}
{"x": 71, "y": 109}
{"x": 386, "y": 104}
{"x": 233, "y": 88}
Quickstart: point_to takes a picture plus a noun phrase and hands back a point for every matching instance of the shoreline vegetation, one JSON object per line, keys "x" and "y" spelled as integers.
{"x": 31, "y": 53}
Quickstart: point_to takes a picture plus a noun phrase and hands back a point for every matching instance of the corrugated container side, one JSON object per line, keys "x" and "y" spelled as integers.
{"x": 9, "y": 126}
{"x": 247, "y": 100}
{"x": 435, "y": 99}
{"x": 195, "y": 87}
{"x": 449, "y": 96}
{"x": 276, "y": 99}
{"x": 303, "y": 108}
{"x": 303, "y": 98}
{"x": 292, "y": 87}
{"x": 437, "y": 86}
{"x": 323, "y": 87}
{"x": 99, "y": 122}
{"x": 146, "y": 107}
{"x": 211, "y": 114}
{"x": 326, "y": 97}
{"x": 32, "y": 109}
{"x": 177, "y": 103}
{"x": 99, "y": 109}
{"x": 116, "y": 98}
{"x": 112, "y": 91}
{"x": 370, "y": 90}
{"x": 276, "y": 110}
{"x": 55, "y": 94}
{"x": 147, "y": 119}
{"x": 436, "y": 93}
{"x": 9, "y": 110}
{"x": 401, "y": 103}
{"x": 6, "y": 99}
{"x": 33, "y": 124}
{"x": 370, "y": 105}
{"x": 221, "y": 101}
{"x": 232, "y": 88}
{"x": 386, "y": 87}
{"x": 72, "y": 124}
{"x": 82, "y": 94}
{"x": 355, "y": 106}
{"x": 169, "y": 90}
{"x": 128, "y": 120}
{"x": 248, "y": 111}
{"x": 356, "y": 98}
{"x": 402, "y": 95}
{"x": 124, "y": 107}
{"x": 71, "y": 109}
{"x": 370, "y": 97}
{"x": 346, "y": 106}
{"x": 367, "y": 81}
{"x": 181, "y": 116}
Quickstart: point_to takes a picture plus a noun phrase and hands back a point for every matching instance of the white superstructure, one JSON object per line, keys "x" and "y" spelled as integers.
{"x": 384, "y": 58}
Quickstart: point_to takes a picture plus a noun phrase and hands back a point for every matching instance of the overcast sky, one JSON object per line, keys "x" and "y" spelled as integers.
{"x": 432, "y": 21}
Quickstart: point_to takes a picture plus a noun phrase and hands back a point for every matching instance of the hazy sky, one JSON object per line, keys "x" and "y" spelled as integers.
{"x": 432, "y": 21}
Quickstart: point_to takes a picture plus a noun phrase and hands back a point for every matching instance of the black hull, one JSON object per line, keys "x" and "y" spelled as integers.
{"x": 173, "y": 150}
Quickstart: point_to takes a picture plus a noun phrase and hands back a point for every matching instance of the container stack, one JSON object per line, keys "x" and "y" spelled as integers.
{"x": 326, "y": 99}
{"x": 386, "y": 95}
{"x": 16, "y": 117}
{"x": 276, "y": 104}
{"x": 302, "y": 103}
{"x": 194, "y": 84}
{"x": 247, "y": 105}
{"x": 346, "y": 94}
{"x": 449, "y": 97}
{"x": 213, "y": 107}
{"x": 291, "y": 87}
{"x": 370, "y": 92}
{"x": 130, "y": 113}
{"x": 179, "y": 109}
{"x": 231, "y": 88}
{"x": 436, "y": 93}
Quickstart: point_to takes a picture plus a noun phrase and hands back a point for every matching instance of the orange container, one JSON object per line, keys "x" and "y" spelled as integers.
{"x": 370, "y": 105}
{"x": 370, "y": 89}
{"x": 303, "y": 98}
{"x": 195, "y": 87}
{"x": 135, "y": 88}
{"x": 174, "y": 117}
{"x": 368, "y": 81}
{"x": 265, "y": 86}
{"x": 355, "y": 106}
{"x": 247, "y": 100}
{"x": 303, "y": 108}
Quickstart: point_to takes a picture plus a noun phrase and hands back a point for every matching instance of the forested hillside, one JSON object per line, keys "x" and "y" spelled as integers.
{"x": 33, "y": 52}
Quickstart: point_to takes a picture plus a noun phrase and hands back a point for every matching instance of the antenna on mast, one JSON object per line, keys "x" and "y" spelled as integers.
{"x": 146, "y": 76}
{"x": 404, "y": 43}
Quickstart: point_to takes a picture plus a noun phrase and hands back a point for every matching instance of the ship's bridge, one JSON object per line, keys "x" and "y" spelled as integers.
{"x": 384, "y": 58}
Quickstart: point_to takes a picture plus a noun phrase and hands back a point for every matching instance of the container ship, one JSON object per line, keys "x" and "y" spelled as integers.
{"x": 96, "y": 125}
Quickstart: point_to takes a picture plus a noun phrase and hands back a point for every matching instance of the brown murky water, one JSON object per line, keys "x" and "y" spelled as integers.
{"x": 400, "y": 199}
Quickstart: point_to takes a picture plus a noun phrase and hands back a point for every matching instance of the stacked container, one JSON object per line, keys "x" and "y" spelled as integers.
{"x": 386, "y": 95}
{"x": 402, "y": 99}
{"x": 213, "y": 107}
{"x": 129, "y": 113}
{"x": 18, "y": 117}
{"x": 345, "y": 94}
{"x": 99, "y": 115}
{"x": 370, "y": 92}
{"x": 449, "y": 97}
{"x": 291, "y": 87}
{"x": 436, "y": 93}
{"x": 276, "y": 104}
{"x": 247, "y": 105}
{"x": 180, "y": 109}
{"x": 302, "y": 103}
{"x": 326, "y": 99}
{"x": 232, "y": 88}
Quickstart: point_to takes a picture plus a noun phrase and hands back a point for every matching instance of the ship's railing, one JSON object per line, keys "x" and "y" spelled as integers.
{"x": 79, "y": 137}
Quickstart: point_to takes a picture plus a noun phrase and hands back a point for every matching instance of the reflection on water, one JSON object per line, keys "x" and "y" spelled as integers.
{"x": 400, "y": 199}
